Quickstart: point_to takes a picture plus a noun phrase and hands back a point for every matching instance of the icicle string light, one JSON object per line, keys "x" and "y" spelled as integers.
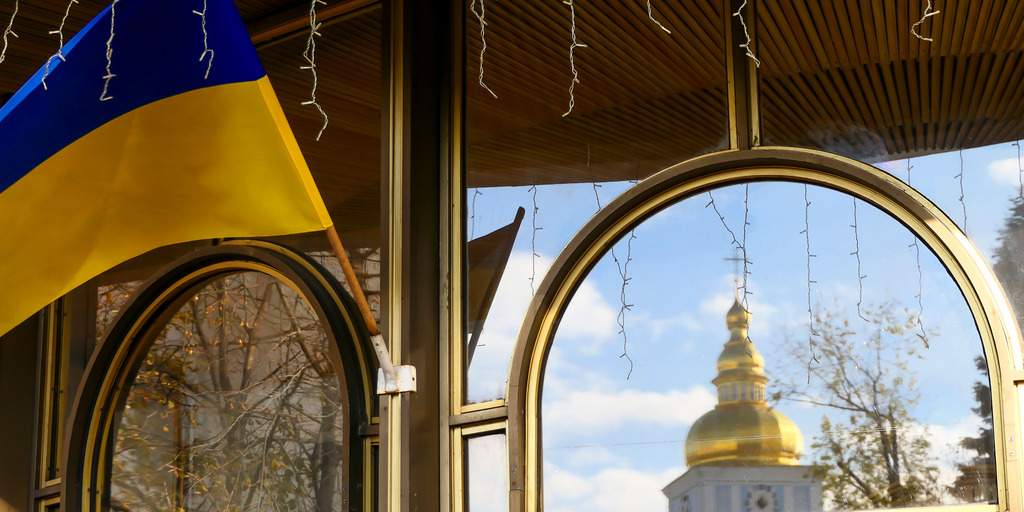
{"x": 480, "y": 15}
{"x": 9, "y": 31}
{"x": 746, "y": 33}
{"x": 810, "y": 314}
{"x": 960, "y": 177}
{"x": 310, "y": 55}
{"x": 743, "y": 244}
{"x": 1020, "y": 174}
{"x": 650, "y": 14}
{"x": 206, "y": 42}
{"x": 928, "y": 13}
{"x": 623, "y": 268}
{"x": 856, "y": 253}
{"x": 714, "y": 206}
{"x": 572, "y": 57}
{"x": 472, "y": 213}
{"x": 923, "y": 335}
{"x": 623, "y": 305}
{"x": 110, "y": 54}
{"x": 533, "y": 241}
{"x": 60, "y": 47}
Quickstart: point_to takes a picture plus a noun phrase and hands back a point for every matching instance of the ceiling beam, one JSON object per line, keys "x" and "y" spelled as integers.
{"x": 286, "y": 24}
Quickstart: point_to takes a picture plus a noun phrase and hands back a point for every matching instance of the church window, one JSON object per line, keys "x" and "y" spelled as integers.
{"x": 723, "y": 499}
{"x": 801, "y": 499}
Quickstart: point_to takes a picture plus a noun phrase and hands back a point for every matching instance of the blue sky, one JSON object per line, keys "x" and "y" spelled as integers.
{"x": 680, "y": 288}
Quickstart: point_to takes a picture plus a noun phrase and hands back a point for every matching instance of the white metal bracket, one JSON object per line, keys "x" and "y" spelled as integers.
{"x": 392, "y": 379}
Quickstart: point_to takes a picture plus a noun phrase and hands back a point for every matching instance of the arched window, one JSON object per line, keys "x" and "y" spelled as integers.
{"x": 235, "y": 380}
{"x": 987, "y": 349}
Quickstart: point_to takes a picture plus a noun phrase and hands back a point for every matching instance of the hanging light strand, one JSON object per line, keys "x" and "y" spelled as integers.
{"x": 206, "y": 42}
{"x": 650, "y": 14}
{"x": 60, "y": 48}
{"x": 856, "y": 253}
{"x": 928, "y": 13}
{"x": 480, "y": 15}
{"x": 472, "y": 213}
{"x": 9, "y": 31}
{"x": 110, "y": 55}
{"x": 746, "y": 33}
{"x": 743, "y": 244}
{"x": 310, "y": 55}
{"x": 624, "y": 306}
{"x": 960, "y": 177}
{"x": 1020, "y": 174}
{"x": 714, "y": 206}
{"x": 572, "y": 57}
{"x": 623, "y": 267}
{"x": 923, "y": 335}
{"x": 533, "y": 241}
{"x": 811, "y": 332}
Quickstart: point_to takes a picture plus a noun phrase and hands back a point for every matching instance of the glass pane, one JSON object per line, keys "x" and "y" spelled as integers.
{"x": 634, "y": 100}
{"x": 110, "y": 299}
{"x": 487, "y": 474}
{"x": 236, "y": 406}
{"x": 831, "y": 368}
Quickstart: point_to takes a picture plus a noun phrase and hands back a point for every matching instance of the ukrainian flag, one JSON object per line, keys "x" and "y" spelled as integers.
{"x": 174, "y": 155}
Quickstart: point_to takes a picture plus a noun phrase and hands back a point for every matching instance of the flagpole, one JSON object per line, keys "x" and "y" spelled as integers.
{"x": 389, "y": 381}
{"x": 350, "y": 276}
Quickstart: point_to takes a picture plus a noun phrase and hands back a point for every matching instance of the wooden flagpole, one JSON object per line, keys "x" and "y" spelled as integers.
{"x": 353, "y": 284}
{"x": 390, "y": 380}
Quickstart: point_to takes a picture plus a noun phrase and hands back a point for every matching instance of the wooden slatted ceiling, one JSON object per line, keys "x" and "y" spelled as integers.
{"x": 850, "y": 77}
{"x": 645, "y": 99}
{"x": 345, "y": 162}
{"x": 844, "y": 75}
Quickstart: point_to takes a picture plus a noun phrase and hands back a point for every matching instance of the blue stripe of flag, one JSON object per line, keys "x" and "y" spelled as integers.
{"x": 156, "y": 50}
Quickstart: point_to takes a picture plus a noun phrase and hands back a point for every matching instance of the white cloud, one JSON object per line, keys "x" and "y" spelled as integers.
{"x": 610, "y": 490}
{"x": 588, "y": 318}
{"x": 671, "y": 325}
{"x": 592, "y": 457}
{"x": 598, "y": 410}
{"x": 589, "y": 314}
{"x": 1005, "y": 171}
{"x": 944, "y": 446}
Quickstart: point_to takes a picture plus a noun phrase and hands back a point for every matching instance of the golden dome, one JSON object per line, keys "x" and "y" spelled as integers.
{"x": 742, "y": 428}
{"x": 744, "y": 434}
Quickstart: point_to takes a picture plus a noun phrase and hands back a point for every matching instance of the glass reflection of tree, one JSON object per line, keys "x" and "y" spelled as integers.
{"x": 872, "y": 452}
{"x": 236, "y": 406}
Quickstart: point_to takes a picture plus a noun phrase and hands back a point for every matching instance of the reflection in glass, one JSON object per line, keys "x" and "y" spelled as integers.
{"x": 236, "y": 406}
{"x": 487, "y": 474}
{"x": 848, "y": 373}
{"x": 110, "y": 299}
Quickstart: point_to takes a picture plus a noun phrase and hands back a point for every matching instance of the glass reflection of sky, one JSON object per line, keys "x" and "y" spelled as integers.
{"x": 601, "y": 428}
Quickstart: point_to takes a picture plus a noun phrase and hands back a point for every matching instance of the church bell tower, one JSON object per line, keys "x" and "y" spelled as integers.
{"x": 743, "y": 455}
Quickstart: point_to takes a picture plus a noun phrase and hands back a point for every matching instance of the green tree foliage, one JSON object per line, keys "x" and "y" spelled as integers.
{"x": 871, "y": 452}
{"x": 1009, "y": 267}
{"x": 976, "y": 480}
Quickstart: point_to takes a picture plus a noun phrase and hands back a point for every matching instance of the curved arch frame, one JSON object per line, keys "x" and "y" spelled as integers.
{"x": 93, "y": 414}
{"x": 991, "y": 310}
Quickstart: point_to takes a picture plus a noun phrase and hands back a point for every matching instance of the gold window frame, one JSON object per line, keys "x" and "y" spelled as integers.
{"x": 1001, "y": 337}
{"x": 86, "y": 461}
